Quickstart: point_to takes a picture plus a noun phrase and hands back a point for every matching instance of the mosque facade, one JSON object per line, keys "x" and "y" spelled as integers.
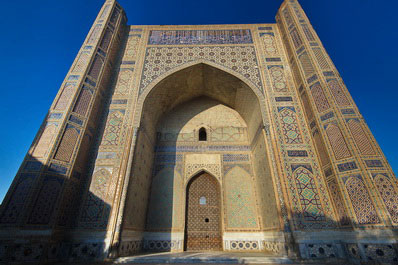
{"x": 202, "y": 138}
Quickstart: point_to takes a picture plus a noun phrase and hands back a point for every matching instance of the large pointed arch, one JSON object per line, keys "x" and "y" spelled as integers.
{"x": 255, "y": 89}
{"x": 246, "y": 83}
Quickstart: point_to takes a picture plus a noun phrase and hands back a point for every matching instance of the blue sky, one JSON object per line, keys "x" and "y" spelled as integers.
{"x": 41, "y": 38}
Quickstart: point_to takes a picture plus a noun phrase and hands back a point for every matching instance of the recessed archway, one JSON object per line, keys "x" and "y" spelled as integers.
{"x": 168, "y": 151}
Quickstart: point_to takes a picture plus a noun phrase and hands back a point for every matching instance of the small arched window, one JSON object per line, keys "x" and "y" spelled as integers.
{"x": 202, "y": 134}
{"x": 202, "y": 200}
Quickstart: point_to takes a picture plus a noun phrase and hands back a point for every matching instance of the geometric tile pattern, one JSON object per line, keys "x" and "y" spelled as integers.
{"x": 389, "y": 195}
{"x": 361, "y": 139}
{"x": 67, "y": 144}
{"x": 278, "y": 78}
{"x": 321, "y": 102}
{"x": 95, "y": 210}
{"x": 122, "y": 85}
{"x": 244, "y": 245}
{"x": 203, "y": 226}
{"x": 338, "y": 202}
{"x": 309, "y": 197}
{"x": 113, "y": 127}
{"x": 379, "y": 253}
{"x": 337, "y": 141}
{"x": 320, "y": 58}
{"x": 83, "y": 101}
{"x": 290, "y": 127}
{"x": 306, "y": 64}
{"x": 321, "y": 251}
{"x": 338, "y": 93}
{"x": 361, "y": 202}
{"x": 269, "y": 43}
{"x": 241, "y": 59}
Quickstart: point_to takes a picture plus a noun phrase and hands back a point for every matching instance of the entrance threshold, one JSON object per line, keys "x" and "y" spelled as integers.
{"x": 205, "y": 257}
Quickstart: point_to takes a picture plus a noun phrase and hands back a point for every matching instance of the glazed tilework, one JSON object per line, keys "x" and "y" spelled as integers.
{"x": 300, "y": 159}
{"x": 335, "y": 192}
{"x": 291, "y": 130}
{"x": 308, "y": 194}
{"x": 240, "y": 59}
{"x": 388, "y": 193}
{"x": 361, "y": 201}
{"x": 360, "y": 137}
{"x": 186, "y": 37}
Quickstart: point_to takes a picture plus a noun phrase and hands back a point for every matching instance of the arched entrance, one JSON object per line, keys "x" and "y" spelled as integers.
{"x": 203, "y": 214}
{"x": 200, "y": 117}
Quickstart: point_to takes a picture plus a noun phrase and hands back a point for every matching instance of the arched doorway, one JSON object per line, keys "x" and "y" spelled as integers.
{"x": 203, "y": 214}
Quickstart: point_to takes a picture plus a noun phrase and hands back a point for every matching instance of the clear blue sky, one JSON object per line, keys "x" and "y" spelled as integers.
{"x": 41, "y": 38}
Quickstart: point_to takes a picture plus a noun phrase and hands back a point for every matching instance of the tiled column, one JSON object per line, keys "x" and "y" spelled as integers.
{"x": 360, "y": 180}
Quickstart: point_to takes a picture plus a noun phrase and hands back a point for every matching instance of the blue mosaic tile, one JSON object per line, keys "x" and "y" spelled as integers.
{"x": 184, "y": 37}
{"x": 266, "y": 33}
{"x": 347, "y": 111}
{"x": 312, "y": 79}
{"x": 306, "y": 166}
{"x": 264, "y": 28}
{"x": 373, "y": 163}
{"x": 347, "y": 166}
{"x": 235, "y": 157}
{"x": 55, "y": 116}
{"x": 273, "y": 59}
{"x": 328, "y": 73}
{"x": 283, "y": 99}
{"x": 75, "y": 119}
{"x": 297, "y": 153}
{"x": 90, "y": 82}
{"x": 327, "y": 116}
{"x": 287, "y": 107}
{"x": 73, "y": 77}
